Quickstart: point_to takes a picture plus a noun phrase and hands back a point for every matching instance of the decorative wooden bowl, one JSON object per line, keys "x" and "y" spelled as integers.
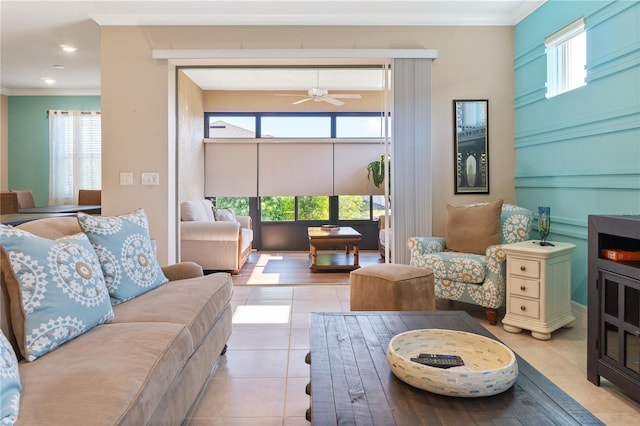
{"x": 490, "y": 367}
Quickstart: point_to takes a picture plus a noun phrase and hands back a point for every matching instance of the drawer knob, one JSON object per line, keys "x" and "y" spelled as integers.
{"x": 523, "y": 308}
{"x": 522, "y": 288}
{"x": 523, "y": 268}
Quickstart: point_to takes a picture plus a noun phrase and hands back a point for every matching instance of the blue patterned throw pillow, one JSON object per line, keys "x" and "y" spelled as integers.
{"x": 124, "y": 249}
{"x": 9, "y": 383}
{"x": 59, "y": 286}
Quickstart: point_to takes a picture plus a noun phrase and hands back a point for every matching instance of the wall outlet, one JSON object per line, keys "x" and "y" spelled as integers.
{"x": 150, "y": 178}
{"x": 126, "y": 178}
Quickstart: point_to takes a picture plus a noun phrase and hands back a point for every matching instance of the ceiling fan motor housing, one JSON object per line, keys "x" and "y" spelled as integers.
{"x": 317, "y": 93}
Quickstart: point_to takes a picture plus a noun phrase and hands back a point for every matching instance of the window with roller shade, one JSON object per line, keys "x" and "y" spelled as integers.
{"x": 305, "y": 181}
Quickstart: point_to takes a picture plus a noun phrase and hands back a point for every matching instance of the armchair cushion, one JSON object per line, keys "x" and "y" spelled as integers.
{"x": 473, "y": 228}
{"x": 225, "y": 214}
{"x": 197, "y": 211}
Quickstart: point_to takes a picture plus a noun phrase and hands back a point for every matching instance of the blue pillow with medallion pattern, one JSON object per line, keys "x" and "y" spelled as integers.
{"x": 9, "y": 383}
{"x": 57, "y": 287}
{"x": 125, "y": 252}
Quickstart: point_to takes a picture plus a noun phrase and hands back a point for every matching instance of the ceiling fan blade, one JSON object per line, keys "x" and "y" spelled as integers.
{"x": 331, "y": 100}
{"x": 301, "y": 101}
{"x": 289, "y": 94}
{"x": 345, "y": 96}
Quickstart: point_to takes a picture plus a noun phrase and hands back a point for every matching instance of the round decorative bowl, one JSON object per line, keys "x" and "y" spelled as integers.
{"x": 489, "y": 366}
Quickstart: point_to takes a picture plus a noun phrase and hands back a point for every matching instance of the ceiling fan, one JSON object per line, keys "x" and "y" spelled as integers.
{"x": 317, "y": 94}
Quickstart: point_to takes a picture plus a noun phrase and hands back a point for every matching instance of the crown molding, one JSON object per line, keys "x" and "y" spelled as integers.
{"x": 48, "y": 92}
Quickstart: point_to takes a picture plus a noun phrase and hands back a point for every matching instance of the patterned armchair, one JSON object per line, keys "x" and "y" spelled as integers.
{"x": 473, "y": 278}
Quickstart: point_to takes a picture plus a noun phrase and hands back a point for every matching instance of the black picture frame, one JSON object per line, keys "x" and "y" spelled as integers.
{"x": 471, "y": 146}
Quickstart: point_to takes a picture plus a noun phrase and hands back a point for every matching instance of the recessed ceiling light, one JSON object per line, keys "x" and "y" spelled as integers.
{"x": 47, "y": 80}
{"x": 59, "y": 67}
{"x": 68, "y": 48}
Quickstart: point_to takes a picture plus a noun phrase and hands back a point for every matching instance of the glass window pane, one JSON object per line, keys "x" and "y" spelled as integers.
{"x": 240, "y": 205}
{"x": 611, "y": 297}
{"x": 221, "y": 126}
{"x": 295, "y": 127}
{"x": 354, "y": 207}
{"x": 313, "y": 208}
{"x": 611, "y": 341}
{"x": 566, "y": 59}
{"x": 359, "y": 127}
{"x": 632, "y": 352}
{"x": 378, "y": 206}
{"x": 277, "y": 209}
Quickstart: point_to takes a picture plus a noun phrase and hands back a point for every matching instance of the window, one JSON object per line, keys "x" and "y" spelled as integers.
{"x": 240, "y": 205}
{"x": 297, "y": 126}
{"x": 75, "y": 149}
{"x": 566, "y": 59}
{"x": 294, "y": 125}
{"x": 291, "y": 208}
{"x": 358, "y": 126}
{"x": 278, "y": 209}
{"x": 231, "y": 126}
{"x": 360, "y": 207}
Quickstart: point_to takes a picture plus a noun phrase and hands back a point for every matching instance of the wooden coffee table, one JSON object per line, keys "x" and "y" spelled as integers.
{"x": 352, "y": 384}
{"x": 343, "y": 237}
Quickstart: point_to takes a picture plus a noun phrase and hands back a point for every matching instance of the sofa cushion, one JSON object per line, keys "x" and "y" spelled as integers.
{"x": 114, "y": 374}
{"x": 56, "y": 289}
{"x": 197, "y": 211}
{"x": 473, "y": 228}
{"x": 125, "y": 252}
{"x": 195, "y": 302}
{"x": 9, "y": 383}
{"x": 225, "y": 214}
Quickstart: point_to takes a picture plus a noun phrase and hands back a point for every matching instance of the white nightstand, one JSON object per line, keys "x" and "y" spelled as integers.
{"x": 538, "y": 288}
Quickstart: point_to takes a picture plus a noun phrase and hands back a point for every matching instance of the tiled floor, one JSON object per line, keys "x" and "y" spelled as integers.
{"x": 262, "y": 378}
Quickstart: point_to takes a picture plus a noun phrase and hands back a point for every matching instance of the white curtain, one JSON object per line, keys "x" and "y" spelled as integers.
{"x": 75, "y": 154}
{"x": 411, "y": 148}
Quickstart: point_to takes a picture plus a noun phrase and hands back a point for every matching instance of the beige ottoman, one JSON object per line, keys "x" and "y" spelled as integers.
{"x": 391, "y": 287}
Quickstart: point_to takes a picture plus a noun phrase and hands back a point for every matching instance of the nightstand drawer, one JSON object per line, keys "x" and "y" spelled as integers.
{"x": 524, "y": 307}
{"x": 522, "y": 287}
{"x": 523, "y": 267}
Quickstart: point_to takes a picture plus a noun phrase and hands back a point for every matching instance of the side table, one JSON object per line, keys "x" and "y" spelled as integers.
{"x": 538, "y": 288}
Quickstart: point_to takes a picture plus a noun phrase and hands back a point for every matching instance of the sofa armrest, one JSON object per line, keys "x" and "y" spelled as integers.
{"x": 245, "y": 221}
{"x": 210, "y": 231}
{"x": 425, "y": 245}
{"x": 182, "y": 271}
{"x": 382, "y": 220}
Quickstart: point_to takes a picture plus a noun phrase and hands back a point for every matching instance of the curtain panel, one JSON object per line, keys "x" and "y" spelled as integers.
{"x": 75, "y": 149}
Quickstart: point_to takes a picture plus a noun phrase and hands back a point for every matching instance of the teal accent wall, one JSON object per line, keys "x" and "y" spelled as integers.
{"x": 579, "y": 152}
{"x": 28, "y": 134}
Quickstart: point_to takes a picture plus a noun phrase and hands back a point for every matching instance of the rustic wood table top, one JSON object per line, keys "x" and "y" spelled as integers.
{"x": 352, "y": 384}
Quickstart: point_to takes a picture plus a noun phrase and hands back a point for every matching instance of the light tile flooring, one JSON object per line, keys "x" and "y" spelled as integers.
{"x": 262, "y": 378}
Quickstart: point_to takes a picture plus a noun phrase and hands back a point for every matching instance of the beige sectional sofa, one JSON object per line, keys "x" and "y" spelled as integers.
{"x": 145, "y": 367}
{"x": 214, "y": 241}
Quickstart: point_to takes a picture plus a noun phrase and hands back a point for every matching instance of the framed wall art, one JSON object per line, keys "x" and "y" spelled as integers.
{"x": 471, "y": 146}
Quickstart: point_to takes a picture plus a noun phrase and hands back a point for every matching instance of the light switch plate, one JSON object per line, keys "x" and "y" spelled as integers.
{"x": 150, "y": 178}
{"x": 126, "y": 178}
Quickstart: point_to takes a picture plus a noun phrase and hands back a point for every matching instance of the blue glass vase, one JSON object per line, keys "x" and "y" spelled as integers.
{"x": 544, "y": 225}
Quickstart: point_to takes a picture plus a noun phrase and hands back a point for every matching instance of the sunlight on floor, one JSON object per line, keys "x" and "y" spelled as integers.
{"x": 260, "y": 314}
{"x": 259, "y": 276}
